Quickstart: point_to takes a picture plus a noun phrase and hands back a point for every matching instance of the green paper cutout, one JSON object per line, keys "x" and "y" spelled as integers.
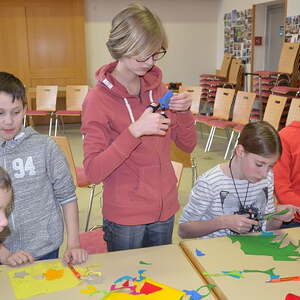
{"x": 265, "y": 245}
{"x": 144, "y": 263}
{"x": 278, "y": 213}
{"x": 268, "y": 272}
{"x": 239, "y": 274}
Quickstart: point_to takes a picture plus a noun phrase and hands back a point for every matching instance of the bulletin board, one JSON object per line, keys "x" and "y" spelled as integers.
{"x": 292, "y": 29}
{"x": 238, "y": 34}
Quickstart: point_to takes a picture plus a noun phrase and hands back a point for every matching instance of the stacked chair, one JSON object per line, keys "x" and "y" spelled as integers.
{"x": 220, "y": 75}
{"x": 287, "y": 75}
{"x": 234, "y": 81}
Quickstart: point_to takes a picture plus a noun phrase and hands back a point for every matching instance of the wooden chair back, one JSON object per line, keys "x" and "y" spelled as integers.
{"x": 75, "y": 95}
{"x": 235, "y": 71}
{"x": 242, "y": 107}
{"x": 195, "y": 92}
{"x": 46, "y": 96}
{"x": 274, "y": 109}
{"x": 64, "y": 145}
{"x": 178, "y": 170}
{"x": 223, "y": 101}
{"x": 288, "y": 57}
{"x": 224, "y": 71}
{"x": 294, "y": 111}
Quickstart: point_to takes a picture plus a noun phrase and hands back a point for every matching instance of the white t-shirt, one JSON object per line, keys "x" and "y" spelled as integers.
{"x": 214, "y": 195}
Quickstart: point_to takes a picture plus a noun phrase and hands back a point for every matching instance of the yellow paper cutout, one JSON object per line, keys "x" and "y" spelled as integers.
{"x": 32, "y": 285}
{"x": 165, "y": 293}
{"x": 54, "y": 274}
{"x": 89, "y": 290}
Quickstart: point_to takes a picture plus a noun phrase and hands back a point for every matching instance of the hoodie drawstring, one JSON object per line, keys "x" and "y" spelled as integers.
{"x": 129, "y": 107}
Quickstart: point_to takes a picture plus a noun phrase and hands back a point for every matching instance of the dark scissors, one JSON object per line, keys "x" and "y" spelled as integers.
{"x": 163, "y": 104}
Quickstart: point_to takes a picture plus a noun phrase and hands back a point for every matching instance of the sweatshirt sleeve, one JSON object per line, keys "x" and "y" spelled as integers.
{"x": 184, "y": 131}
{"x": 102, "y": 155}
{"x": 282, "y": 175}
{"x": 59, "y": 174}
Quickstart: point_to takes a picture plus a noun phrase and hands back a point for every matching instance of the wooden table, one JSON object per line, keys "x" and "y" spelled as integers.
{"x": 169, "y": 266}
{"x": 220, "y": 254}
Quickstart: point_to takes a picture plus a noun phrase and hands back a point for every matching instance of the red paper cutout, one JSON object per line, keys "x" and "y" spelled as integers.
{"x": 149, "y": 288}
{"x": 292, "y": 297}
{"x": 126, "y": 283}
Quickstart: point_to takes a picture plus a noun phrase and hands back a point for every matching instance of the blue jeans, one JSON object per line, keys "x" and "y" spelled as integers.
{"x": 290, "y": 224}
{"x": 124, "y": 237}
{"x": 51, "y": 255}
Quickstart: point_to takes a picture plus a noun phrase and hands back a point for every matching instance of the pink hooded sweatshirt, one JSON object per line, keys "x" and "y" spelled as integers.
{"x": 137, "y": 174}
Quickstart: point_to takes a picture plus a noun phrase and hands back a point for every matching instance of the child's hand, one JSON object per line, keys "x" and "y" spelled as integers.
{"x": 289, "y": 216}
{"x": 19, "y": 258}
{"x": 75, "y": 256}
{"x": 180, "y": 102}
{"x": 238, "y": 223}
{"x": 149, "y": 123}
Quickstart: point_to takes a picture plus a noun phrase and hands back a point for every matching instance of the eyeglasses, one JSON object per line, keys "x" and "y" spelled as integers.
{"x": 156, "y": 56}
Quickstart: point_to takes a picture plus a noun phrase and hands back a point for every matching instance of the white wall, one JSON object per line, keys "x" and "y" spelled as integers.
{"x": 293, "y": 8}
{"x": 191, "y": 26}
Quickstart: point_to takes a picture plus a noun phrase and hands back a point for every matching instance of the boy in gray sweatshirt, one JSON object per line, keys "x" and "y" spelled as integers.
{"x": 44, "y": 193}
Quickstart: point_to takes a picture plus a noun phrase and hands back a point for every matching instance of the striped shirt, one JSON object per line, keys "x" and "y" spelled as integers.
{"x": 215, "y": 195}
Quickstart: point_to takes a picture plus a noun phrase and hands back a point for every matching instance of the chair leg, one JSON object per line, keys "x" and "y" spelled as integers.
{"x": 56, "y": 121}
{"x": 50, "y": 124}
{"x": 235, "y": 144}
{"x": 210, "y": 139}
{"x": 194, "y": 171}
{"x": 229, "y": 144}
{"x": 90, "y": 207}
{"x": 62, "y": 124}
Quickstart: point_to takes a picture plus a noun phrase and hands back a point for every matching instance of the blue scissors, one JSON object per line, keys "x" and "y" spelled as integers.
{"x": 163, "y": 103}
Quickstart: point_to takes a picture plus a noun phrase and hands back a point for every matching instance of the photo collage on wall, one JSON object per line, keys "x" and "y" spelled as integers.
{"x": 238, "y": 34}
{"x": 292, "y": 29}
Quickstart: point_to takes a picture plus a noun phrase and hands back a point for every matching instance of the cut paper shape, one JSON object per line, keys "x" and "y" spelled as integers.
{"x": 278, "y": 213}
{"x": 141, "y": 275}
{"x": 199, "y": 253}
{"x": 149, "y": 288}
{"x": 21, "y": 274}
{"x": 234, "y": 274}
{"x": 165, "y": 292}
{"x": 265, "y": 245}
{"x": 29, "y": 286}
{"x": 144, "y": 263}
{"x": 52, "y": 274}
{"x": 239, "y": 274}
{"x": 195, "y": 294}
{"x": 291, "y": 296}
{"x": 267, "y": 233}
{"x": 90, "y": 289}
{"x": 269, "y": 272}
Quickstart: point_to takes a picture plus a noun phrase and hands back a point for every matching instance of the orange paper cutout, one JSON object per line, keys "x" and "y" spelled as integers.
{"x": 52, "y": 274}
